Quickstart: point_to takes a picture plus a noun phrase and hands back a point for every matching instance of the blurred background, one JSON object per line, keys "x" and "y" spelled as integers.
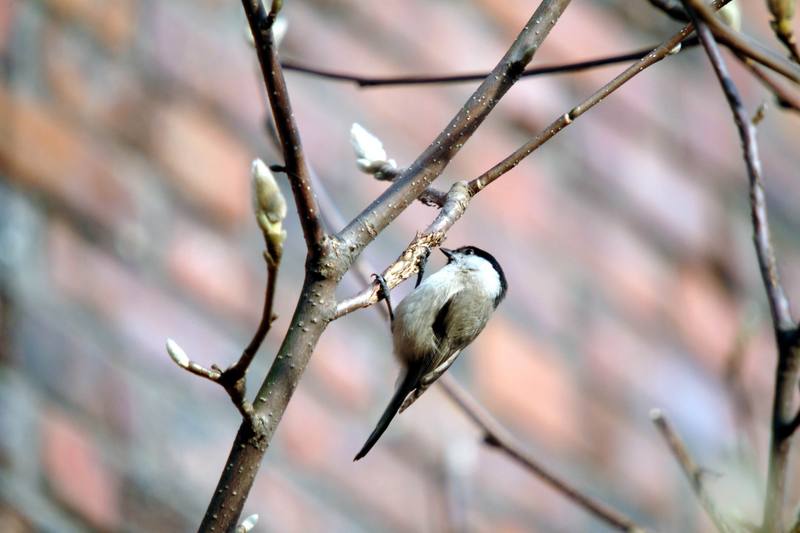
{"x": 126, "y": 133}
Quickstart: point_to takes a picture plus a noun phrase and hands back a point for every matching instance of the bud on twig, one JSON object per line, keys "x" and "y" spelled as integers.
{"x": 247, "y": 524}
{"x": 731, "y": 15}
{"x": 269, "y": 206}
{"x": 177, "y": 354}
{"x": 371, "y": 158}
{"x": 279, "y": 28}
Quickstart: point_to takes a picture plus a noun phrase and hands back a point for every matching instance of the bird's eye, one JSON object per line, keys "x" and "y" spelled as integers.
{"x": 469, "y": 251}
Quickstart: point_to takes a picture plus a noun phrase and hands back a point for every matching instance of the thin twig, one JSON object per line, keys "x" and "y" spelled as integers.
{"x": 430, "y": 164}
{"x": 370, "y": 295}
{"x": 496, "y": 436}
{"x": 745, "y": 45}
{"x": 779, "y": 306}
{"x": 233, "y": 378}
{"x": 693, "y": 472}
{"x": 783, "y": 414}
{"x": 785, "y": 98}
{"x": 420, "y": 79}
{"x": 672, "y": 8}
{"x": 330, "y": 258}
{"x": 294, "y": 157}
{"x": 407, "y": 264}
{"x": 566, "y": 119}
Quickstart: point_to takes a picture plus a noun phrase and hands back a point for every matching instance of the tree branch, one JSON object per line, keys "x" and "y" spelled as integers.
{"x": 785, "y": 98}
{"x": 566, "y": 119}
{"x": 368, "y": 82}
{"x": 407, "y": 264}
{"x": 693, "y": 472}
{"x": 496, "y": 436}
{"x": 784, "y": 326}
{"x": 430, "y": 164}
{"x": 672, "y": 8}
{"x": 329, "y": 259}
{"x": 294, "y": 158}
{"x": 269, "y": 202}
{"x": 745, "y": 45}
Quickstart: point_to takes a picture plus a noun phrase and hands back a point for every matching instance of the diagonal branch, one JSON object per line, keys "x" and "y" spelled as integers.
{"x": 785, "y": 98}
{"x": 293, "y": 155}
{"x": 430, "y": 164}
{"x": 659, "y": 53}
{"x": 329, "y": 259}
{"x": 370, "y": 295}
{"x": 496, "y": 436}
{"x": 694, "y": 473}
{"x": 745, "y": 45}
{"x": 788, "y": 367}
{"x": 407, "y": 264}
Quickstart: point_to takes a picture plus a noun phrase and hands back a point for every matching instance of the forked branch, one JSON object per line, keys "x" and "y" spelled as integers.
{"x": 786, "y": 337}
{"x": 293, "y": 155}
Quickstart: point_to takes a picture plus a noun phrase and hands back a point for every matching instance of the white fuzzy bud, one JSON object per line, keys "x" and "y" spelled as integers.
{"x": 731, "y": 15}
{"x": 370, "y": 155}
{"x": 247, "y": 524}
{"x": 177, "y": 354}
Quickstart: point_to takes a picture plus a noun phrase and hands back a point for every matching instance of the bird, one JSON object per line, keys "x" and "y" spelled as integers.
{"x": 436, "y": 321}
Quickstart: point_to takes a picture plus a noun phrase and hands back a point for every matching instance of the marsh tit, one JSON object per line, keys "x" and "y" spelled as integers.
{"x": 437, "y": 320}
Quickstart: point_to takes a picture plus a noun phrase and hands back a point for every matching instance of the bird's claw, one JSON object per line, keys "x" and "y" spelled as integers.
{"x": 383, "y": 294}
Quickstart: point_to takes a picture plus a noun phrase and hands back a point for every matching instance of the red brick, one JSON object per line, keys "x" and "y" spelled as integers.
{"x": 314, "y": 437}
{"x": 625, "y": 268}
{"x": 207, "y": 58}
{"x": 523, "y": 380}
{"x": 49, "y": 154}
{"x": 13, "y": 521}
{"x": 142, "y": 313}
{"x": 77, "y": 473}
{"x": 6, "y": 16}
{"x": 705, "y": 315}
{"x": 337, "y": 368}
{"x": 112, "y": 22}
{"x": 282, "y": 505}
{"x": 213, "y": 271}
{"x": 97, "y": 91}
{"x": 309, "y": 432}
{"x": 205, "y": 161}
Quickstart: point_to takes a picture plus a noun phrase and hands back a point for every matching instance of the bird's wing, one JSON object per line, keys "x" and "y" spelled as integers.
{"x": 456, "y": 324}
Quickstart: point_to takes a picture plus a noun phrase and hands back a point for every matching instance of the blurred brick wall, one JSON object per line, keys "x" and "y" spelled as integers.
{"x": 126, "y": 132}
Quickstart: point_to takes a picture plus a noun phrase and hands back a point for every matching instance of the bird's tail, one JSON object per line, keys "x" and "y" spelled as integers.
{"x": 409, "y": 383}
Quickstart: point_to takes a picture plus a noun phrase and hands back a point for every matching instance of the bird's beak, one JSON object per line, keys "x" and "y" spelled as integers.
{"x": 447, "y": 252}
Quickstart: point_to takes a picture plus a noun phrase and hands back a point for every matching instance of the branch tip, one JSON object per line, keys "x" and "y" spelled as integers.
{"x": 247, "y": 524}
{"x": 371, "y": 157}
{"x": 177, "y": 354}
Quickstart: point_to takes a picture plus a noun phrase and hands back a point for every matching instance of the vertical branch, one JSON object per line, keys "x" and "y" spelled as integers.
{"x": 328, "y": 260}
{"x": 293, "y": 155}
{"x": 783, "y": 409}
